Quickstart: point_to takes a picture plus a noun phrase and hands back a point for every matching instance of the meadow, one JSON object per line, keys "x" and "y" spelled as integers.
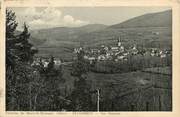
{"x": 138, "y": 90}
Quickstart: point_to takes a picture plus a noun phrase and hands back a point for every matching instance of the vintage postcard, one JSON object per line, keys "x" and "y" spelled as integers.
{"x": 90, "y": 58}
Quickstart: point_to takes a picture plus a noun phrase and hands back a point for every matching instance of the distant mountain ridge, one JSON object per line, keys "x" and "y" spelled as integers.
{"x": 160, "y": 19}
{"x": 65, "y": 33}
{"x": 138, "y": 30}
{"x": 71, "y": 30}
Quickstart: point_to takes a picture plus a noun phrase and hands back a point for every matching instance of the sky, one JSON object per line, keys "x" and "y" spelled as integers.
{"x": 49, "y": 17}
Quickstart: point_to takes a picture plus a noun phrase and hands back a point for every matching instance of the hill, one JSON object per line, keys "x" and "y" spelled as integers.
{"x": 60, "y": 41}
{"x": 65, "y": 33}
{"x": 149, "y": 30}
{"x": 160, "y": 19}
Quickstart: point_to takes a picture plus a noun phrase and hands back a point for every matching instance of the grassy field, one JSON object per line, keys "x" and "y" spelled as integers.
{"x": 128, "y": 91}
{"x": 159, "y": 70}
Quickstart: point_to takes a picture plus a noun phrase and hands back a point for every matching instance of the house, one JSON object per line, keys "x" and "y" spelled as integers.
{"x": 121, "y": 57}
{"x": 115, "y": 49}
{"x": 95, "y": 51}
{"x": 117, "y": 53}
{"x": 152, "y": 54}
{"x": 102, "y": 46}
{"x": 122, "y": 48}
{"x": 91, "y": 58}
{"x": 155, "y": 33}
{"x": 134, "y": 50}
{"x": 57, "y": 62}
{"x": 76, "y": 50}
{"x": 45, "y": 64}
{"x": 86, "y": 57}
{"x": 116, "y": 60}
{"x": 125, "y": 54}
{"x": 106, "y": 48}
{"x": 163, "y": 55}
{"x": 35, "y": 63}
{"x": 101, "y": 57}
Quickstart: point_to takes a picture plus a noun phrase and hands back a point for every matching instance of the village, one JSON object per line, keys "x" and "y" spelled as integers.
{"x": 108, "y": 53}
{"x": 120, "y": 53}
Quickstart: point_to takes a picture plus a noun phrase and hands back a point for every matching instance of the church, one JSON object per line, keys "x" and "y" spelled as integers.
{"x": 119, "y": 47}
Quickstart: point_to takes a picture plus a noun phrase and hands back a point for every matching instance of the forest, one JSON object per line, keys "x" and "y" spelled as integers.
{"x": 37, "y": 88}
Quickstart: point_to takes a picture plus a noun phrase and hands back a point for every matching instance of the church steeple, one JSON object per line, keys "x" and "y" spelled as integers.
{"x": 119, "y": 42}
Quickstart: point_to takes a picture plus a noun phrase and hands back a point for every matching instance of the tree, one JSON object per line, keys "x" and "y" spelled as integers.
{"x": 18, "y": 47}
{"x": 26, "y": 49}
{"x": 19, "y": 73}
{"x": 11, "y": 25}
{"x": 50, "y": 92}
{"x": 80, "y": 66}
{"x": 81, "y": 96}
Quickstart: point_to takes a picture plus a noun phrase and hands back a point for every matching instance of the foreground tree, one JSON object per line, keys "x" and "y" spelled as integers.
{"x": 81, "y": 96}
{"x": 11, "y": 25}
{"x": 19, "y": 73}
{"x": 29, "y": 88}
{"x": 49, "y": 96}
{"x": 18, "y": 47}
{"x": 26, "y": 49}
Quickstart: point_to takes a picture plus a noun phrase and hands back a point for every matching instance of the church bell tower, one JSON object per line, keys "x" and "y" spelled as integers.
{"x": 119, "y": 42}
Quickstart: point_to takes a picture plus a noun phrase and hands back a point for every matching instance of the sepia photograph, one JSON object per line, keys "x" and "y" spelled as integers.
{"x": 94, "y": 59}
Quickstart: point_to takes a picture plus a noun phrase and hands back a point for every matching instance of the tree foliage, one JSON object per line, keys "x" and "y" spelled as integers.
{"x": 19, "y": 73}
{"x": 49, "y": 93}
{"x": 11, "y": 24}
{"x": 81, "y": 96}
{"x": 18, "y": 47}
{"x": 80, "y": 66}
{"x": 28, "y": 87}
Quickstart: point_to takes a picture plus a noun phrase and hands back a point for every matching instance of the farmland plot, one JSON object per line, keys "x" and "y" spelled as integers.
{"x": 134, "y": 90}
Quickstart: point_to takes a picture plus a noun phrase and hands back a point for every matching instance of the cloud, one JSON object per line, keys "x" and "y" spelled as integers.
{"x": 69, "y": 20}
{"x": 50, "y": 17}
{"x": 31, "y": 11}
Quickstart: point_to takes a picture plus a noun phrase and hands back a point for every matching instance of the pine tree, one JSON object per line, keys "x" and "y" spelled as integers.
{"x": 11, "y": 24}
{"x": 26, "y": 49}
{"x": 19, "y": 74}
{"x": 11, "y": 40}
{"x": 18, "y": 47}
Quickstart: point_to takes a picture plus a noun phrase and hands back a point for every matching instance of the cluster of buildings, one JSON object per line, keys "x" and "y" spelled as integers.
{"x": 103, "y": 53}
{"x": 160, "y": 53}
{"x": 118, "y": 52}
{"x": 45, "y": 61}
